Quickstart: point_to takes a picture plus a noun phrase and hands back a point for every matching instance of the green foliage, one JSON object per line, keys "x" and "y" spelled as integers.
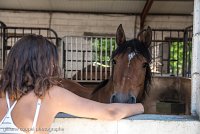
{"x": 102, "y": 50}
{"x": 176, "y": 57}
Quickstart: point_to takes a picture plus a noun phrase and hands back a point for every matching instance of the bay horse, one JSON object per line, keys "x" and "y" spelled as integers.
{"x": 131, "y": 73}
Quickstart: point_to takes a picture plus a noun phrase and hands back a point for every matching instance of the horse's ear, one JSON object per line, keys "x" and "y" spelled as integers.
{"x": 120, "y": 35}
{"x": 146, "y": 36}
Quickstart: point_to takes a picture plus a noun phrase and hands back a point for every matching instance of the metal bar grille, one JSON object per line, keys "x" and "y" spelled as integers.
{"x": 9, "y": 35}
{"x": 89, "y": 57}
{"x": 2, "y": 42}
{"x": 170, "y": 52}
{"x": 187, "y": 52}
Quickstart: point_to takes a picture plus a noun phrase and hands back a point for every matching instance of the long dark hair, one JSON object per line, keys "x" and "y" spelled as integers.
{"x": 32, "y": 64}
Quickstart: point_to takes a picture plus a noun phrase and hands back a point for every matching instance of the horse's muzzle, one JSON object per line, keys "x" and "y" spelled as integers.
{"x": 122, "y": 98}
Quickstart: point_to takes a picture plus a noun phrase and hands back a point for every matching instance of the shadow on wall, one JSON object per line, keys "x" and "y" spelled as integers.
{"x": 169, "y": 95}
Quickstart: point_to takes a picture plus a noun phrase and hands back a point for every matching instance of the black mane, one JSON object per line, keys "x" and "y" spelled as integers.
{"x": 138, "y": 47}
{"x": 100, "y": 85}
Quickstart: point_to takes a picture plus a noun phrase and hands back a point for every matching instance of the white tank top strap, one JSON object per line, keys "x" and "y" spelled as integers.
{"x": 8, "y": 103}
{"x": 7, "y": 100}
{"x": 12, "y": 106}
{"x": 36, "y": 116}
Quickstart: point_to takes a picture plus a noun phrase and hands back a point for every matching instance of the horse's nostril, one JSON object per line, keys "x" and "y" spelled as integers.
{"x": 122, "y": 98}
{"x": 113, "y": 99}
{"x": 132, "y": 99}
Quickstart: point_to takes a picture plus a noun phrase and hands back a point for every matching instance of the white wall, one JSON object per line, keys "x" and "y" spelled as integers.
{"x": 24, "y": 19}
{"x": 175, "y": 125}
{"x": 77, "y": 24}
{"x": 196, "y": 60}
{"x": 71, "y": 24}
{"x": 169, "y": 22}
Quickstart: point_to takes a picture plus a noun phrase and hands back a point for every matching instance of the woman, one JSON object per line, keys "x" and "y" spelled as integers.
{"x": 30, "y": 96}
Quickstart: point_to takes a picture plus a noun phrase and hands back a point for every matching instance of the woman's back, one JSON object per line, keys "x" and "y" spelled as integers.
{"x": 30, "y": 71}
{"x": 25, "y": 109}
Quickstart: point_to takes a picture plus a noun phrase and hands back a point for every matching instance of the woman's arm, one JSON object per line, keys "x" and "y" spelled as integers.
{"x": 67, "y": 102}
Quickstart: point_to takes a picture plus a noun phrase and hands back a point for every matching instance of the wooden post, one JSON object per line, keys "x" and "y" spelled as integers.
{"x": 144, "y": 13}
{"x": 195, "y": 102}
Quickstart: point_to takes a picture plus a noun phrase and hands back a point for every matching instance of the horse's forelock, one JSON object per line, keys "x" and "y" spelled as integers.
{"x": 136, "y": 46}
{"x": 101, "y": 84}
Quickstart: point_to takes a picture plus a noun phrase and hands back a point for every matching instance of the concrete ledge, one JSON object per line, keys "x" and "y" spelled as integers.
{"x": 139, "y": 124}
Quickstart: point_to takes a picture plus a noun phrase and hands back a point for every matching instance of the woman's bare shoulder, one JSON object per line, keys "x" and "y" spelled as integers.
{"x": 58, "y": 94}
{"x": 57, "y": 91}
{"x": 61, "y": 98}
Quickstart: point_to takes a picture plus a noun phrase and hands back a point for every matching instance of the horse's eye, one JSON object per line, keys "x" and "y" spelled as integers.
{"x": 145, "y": 65}
{"x": 113, "y": 61}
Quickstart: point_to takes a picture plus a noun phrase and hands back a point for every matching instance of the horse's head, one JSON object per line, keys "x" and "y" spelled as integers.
{"x": 131, "y": 72}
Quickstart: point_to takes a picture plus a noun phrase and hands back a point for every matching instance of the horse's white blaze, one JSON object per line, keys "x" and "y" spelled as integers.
{"x": 130, "y": 57}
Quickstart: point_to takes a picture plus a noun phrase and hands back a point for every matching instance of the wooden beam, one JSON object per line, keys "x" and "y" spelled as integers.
{"x": 144, "y": 13}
